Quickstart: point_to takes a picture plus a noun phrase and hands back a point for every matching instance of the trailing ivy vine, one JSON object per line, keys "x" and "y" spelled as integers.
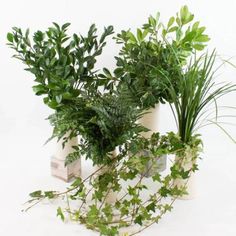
{"x": 138, "y": 201}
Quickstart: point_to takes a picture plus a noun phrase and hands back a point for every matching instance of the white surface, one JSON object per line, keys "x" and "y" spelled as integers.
{"x": 25, "y": 163}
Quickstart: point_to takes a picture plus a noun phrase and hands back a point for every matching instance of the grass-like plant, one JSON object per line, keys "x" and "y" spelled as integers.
{"x": 197, "y": 91}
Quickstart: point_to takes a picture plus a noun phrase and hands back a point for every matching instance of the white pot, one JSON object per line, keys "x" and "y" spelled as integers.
{"x": 189, "y": 183}
{"x": 60, "y": 152}
{"x": 151, "y": 121}
{"x": 58, "y": 168}
{"x": 111, "y": 196}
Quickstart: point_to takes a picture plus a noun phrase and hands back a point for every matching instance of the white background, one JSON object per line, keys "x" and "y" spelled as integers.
{"x": 24, "y": 161}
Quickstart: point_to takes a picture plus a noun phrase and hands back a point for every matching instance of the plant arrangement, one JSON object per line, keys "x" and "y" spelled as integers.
{"x": 64, "y": 70}
{"x": 148, "y": 71}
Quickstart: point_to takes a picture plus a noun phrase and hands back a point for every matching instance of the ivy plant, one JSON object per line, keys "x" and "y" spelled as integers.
{"x": 123, "y": 177}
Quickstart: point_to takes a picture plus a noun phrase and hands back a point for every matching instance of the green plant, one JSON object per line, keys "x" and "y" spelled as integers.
{"x": 104, "y": 122}
{"x": 122, "y": 177}
{"x": 63, "y": 65}
{"x": 157, "y": 51}
{"x": 108, "y": 120}
{"x": 198, "y": 89}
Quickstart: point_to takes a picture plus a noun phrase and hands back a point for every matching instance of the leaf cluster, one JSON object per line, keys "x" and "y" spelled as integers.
{"x": 157, "y": 51}
{"x": 104, "y": 123}
{"x": 63, "y": 65}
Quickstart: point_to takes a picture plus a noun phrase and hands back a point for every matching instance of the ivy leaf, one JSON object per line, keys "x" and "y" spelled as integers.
{"x": 77, "y": 182}
{"x": 36, "y": 194}
{"x": 60, "y": 214}
{"x": 151, "y": 207}
{"x": 156, "y": 177}
{"x": 139, "y": 220}
{"x": 167, "y": 207}
{"x": 163, "y": 191}
{"x": 49, "y": 194}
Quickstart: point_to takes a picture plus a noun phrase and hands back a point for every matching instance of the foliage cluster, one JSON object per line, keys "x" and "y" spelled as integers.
{"x": 157, "y": 51}
{"x": 138, "y": 202}
{"x": 157, "y": 64}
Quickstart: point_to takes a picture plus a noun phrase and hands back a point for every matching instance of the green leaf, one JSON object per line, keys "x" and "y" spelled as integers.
{"x": 152, "y": 21}
{"x": 156, "y": 177}
{"x": 138, "y": 220}
{"x": 202, "y": 38}
{"x": 185, "y": 15}
{"x": 151, "y": 207}
{"x": 195, "y": 25}
{"x": 60, "y": 213}
{"x": 65, "y": 26}
{"x": 10, "y": 37}
{"x": 107, "y": 72}
{"x": 131, "y": 37}
{"x": 158, "y": 16}
{"x": 163, "y": 191}
{"x": 198, "y": 47}
{"x": 52, "y": 104}
{"x": 77, "y": 182}
{"x": 172, "y": 29}
{"x": 36, "y": 194}
{"x": 56, "y": 25}
{"x": 145, "y": 33}
{"x": 49, "y": 194}
{"x": 171, "y": 22}
{"x": 139, "y": 35}
{"x": 38, "y": 36}
{"x": 39, "y": 89}
{"x": 167, "y": 207}
{"x": 59, "y": 98}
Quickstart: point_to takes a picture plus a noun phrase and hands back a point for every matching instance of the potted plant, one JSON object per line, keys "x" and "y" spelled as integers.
{"x": 198, "y": 90}
{"x": 155, "y": 52}
{"x": 107, "y": 121}
{"x": 63, "y": 67}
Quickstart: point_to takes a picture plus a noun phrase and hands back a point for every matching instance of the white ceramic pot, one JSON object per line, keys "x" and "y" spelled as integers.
{"x": 189, "y": 183}
{"x": 111, "y": 196}
{"x": 58, "y": 168}
{"x": 151, "y": 120}
{"x": 60, "y": 152}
